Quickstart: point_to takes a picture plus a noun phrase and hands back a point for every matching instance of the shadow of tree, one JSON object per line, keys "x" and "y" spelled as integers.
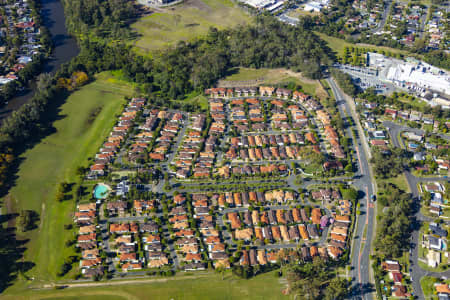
{"x": 12, "y": 248}
{"x": 11, "y": 255}
{"x": 360, "y": 290}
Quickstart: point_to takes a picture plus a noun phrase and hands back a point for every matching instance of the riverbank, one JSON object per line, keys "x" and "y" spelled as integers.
{"x": 65, "y": 48}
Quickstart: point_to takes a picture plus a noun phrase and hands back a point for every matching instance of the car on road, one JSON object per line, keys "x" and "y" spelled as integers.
{"x": 373, "y": 198}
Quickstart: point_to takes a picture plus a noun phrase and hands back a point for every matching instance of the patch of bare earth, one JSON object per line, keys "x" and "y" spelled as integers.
{"x": 290, "y": 73}
{"x": 321, "y": 92}
{"x": 243, "y": 83}
{"x": 198, "y": 4}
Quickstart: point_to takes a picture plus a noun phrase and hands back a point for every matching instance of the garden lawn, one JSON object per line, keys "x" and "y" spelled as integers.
{"x": 186, "y": 21}
{"x": 78, "y": 135}
{"x": 210, "y": 286}
{"x": 427, "y": 283}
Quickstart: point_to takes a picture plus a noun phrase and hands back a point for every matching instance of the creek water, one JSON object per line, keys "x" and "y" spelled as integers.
{"x": 65, "y": 48}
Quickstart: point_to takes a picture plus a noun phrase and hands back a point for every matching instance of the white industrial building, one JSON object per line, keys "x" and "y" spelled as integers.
{"x": 421, "y": 76}
{"x": 316, "y": 6}
{"x": 412, "y": 74}
{"x": 445, "y": 103}
{"x": 269, "y": 5}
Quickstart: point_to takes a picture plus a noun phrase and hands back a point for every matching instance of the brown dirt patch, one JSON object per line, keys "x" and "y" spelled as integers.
{"x": 197, "y": 4}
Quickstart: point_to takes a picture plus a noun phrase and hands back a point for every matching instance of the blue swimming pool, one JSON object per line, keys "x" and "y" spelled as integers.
{"x": 101, "y": 191}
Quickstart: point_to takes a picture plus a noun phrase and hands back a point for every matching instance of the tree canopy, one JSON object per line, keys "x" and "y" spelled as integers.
{"x": 316, "y": 280}
{"x": 394, "y": 227}
{"x": 388, "y": 164}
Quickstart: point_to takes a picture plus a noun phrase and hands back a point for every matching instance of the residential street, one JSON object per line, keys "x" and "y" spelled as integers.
{"x": 395, "y": 129}
{"x": 383, "y": 17}
{"x": 416, "y": 271}
{"x": 361, "y": 273}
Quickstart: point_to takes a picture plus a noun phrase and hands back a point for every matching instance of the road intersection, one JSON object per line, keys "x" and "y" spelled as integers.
{"x": 416, "y": 272}
{"x": 360, "y": 252}
{"x": 361, "y": 261}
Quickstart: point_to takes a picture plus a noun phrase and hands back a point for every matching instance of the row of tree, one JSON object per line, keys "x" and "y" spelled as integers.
{"x": 345, "y": 82}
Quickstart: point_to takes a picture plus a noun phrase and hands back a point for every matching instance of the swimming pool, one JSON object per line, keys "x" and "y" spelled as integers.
{"x": 101, "y": 191}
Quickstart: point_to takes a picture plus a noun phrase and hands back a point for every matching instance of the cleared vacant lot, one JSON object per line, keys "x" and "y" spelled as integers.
{"x": 254, "y": 77}
{"x": 186, "y": 21}
{"x": 84, "y": 120}
{"x": 210, "y": 286}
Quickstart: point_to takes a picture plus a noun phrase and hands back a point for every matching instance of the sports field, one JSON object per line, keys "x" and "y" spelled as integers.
{"x": 184, "y": 22}
{"x": 84, "y": 121}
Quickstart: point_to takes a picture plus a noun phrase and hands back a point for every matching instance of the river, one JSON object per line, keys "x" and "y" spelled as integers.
{"x": 65, "y": 48}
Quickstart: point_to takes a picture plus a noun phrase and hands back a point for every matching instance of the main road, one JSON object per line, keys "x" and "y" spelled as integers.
{"x": 363, "y": 283}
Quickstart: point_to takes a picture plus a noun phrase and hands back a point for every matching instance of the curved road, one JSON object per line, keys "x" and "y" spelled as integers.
{"x": 363, "y": 283}
{"x": 383, "y": 17}
{"x": 416, "y": 271}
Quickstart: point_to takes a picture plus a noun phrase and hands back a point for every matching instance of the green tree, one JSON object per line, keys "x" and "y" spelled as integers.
{"x": 337, "y": 289}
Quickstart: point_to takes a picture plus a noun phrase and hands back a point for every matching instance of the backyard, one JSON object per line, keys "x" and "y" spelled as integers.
{"x": 428, "y": 288}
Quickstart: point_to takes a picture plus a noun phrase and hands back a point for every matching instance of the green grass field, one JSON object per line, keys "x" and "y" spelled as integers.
{"x": 54, "y": 160}
{"x": 249, "y": 76}
{"x": 194, "y": 98}
{"x": 399, "y": 181}
{"x": 338, "y": 45}
{"x": 244, "y": 74}
{"x": 210, "y": 286}
{"x": 185, "y": 22}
